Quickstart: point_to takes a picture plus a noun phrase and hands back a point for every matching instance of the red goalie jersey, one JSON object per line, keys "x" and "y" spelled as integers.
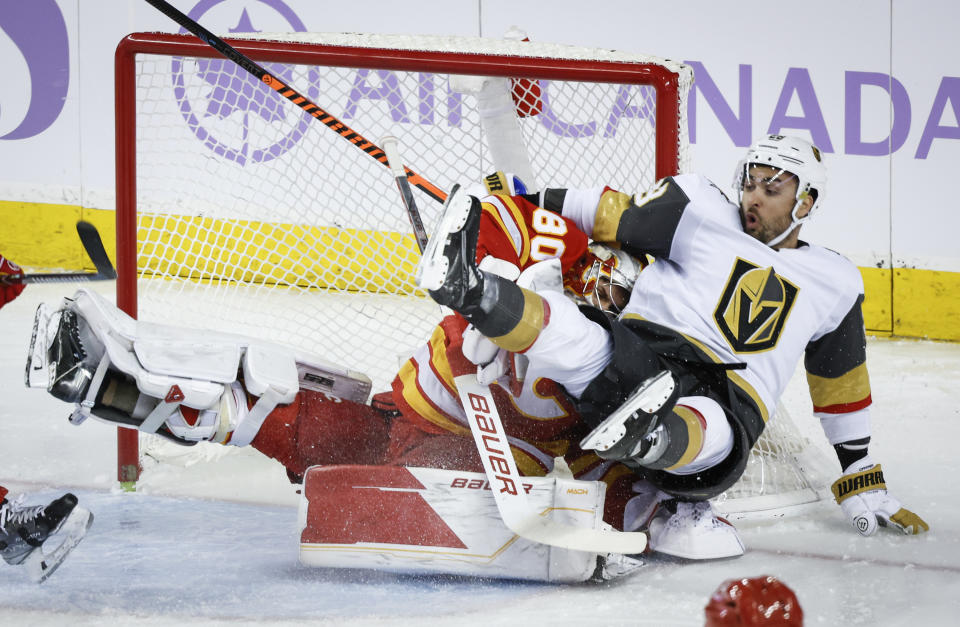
{"x": 421, "y": 422}
{"x": 427, "y": 426}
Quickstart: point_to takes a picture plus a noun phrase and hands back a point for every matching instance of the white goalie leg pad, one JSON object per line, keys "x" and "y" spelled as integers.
{"x": 165, "y": 361}
{"x": 429, "y": 521}
{"x": 694, "y": 532}
{"x": 322, "y": 376}
{"x": 187, "y": 368}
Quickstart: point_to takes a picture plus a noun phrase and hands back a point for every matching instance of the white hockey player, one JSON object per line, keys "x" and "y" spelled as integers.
{"x": 733, "y": 301}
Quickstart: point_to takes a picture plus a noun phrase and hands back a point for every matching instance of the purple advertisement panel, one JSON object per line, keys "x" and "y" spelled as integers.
{"x": 39, "y": 32}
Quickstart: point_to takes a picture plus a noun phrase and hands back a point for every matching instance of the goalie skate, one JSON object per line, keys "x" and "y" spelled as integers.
{"x": 60, "y": 356}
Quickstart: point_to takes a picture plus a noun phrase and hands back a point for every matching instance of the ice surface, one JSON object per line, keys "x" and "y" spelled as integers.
{"x": 215, "y": 541}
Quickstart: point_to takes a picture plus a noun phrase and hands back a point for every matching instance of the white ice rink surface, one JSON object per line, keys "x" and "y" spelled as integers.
{"x": 216, "y": 542}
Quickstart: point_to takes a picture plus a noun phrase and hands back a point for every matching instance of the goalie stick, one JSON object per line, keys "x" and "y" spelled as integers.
{"x": 291, "y": 94}
{"x": 90, "y": 239}
{"x": 490, "y": 438}
{"x": 507, "y": 484}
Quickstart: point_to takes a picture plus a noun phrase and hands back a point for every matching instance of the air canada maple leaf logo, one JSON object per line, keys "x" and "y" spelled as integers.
{"x": 754, "y": 307}
{"x": 231, "y": 111}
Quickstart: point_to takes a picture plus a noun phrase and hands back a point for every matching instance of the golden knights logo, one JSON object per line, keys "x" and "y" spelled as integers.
{"x": 754, "y": 307}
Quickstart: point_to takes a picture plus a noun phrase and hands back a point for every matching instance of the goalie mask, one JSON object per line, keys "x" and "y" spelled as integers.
{"x": 603, "y": 278}
{"x": 794, "y": 156}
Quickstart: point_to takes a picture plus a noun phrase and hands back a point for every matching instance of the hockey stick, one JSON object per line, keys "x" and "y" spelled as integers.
{"x": 403, "y": 184}
{"x": 90, "y": 239}
{"x": 291, "y": 94}
{"x": 507, "y": 484}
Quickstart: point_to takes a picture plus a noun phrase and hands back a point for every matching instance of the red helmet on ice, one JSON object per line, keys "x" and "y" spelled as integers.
{"x": 755, "y": 601}
{"x": 603, "y": 278}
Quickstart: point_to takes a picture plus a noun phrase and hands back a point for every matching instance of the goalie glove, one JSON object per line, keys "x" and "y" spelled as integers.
{"x": 862, "y": 494}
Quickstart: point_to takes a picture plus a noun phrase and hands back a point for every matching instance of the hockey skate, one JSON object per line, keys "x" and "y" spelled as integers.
{"x": 633, "y": 431}
{"x": 448, "y": 268}
{"x": 693, "y": 531}
{"x": 25, "y": 531}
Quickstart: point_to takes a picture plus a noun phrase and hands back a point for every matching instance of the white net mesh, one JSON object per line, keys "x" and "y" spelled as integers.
{"x": 254, "y": 217}
{"x": 245, "y": 194}
{"x": 786, "y": 469}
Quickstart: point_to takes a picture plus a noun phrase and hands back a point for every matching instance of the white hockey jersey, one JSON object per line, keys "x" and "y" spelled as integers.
{"x": 736, "y": 298}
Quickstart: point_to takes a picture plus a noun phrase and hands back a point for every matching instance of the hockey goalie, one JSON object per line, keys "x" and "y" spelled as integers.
{"x": 397, "y": 483}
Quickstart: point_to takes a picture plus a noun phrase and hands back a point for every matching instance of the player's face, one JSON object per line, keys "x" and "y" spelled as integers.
{"x": 609, "y": 297}
{"x": 766, "y": 202}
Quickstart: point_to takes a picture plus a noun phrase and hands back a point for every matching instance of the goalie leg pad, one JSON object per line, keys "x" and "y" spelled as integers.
{"x": 167, "y": 379}
{"x": 424, "y": 520}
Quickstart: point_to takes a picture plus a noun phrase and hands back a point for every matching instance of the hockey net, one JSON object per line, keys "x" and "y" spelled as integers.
{"x": 239, "y": 211}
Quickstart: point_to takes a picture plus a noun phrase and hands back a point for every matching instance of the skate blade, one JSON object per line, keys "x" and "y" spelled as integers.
{"x": 37, "y": 374}
{"x": 648, "y": 399}
{"x": 432, "y": 269}
{"x": 41, "y": 564}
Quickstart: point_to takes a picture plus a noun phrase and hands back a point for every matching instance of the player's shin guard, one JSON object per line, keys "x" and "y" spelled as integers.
{"x": 510, "y": 316}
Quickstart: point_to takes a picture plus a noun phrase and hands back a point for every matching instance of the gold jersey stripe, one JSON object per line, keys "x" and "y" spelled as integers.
{"x": 610, "y": 209}
{"x": 583, "y": 462}
{"x": 849, "y": 387}
{"x": 694, "y": 435}
{"x": 615, "y": 472}
{"x": 527, "y": 330}
{"x": 527, "y": 464}
{"x": 438, "y": 358}
{"x": 416, "y": 400}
